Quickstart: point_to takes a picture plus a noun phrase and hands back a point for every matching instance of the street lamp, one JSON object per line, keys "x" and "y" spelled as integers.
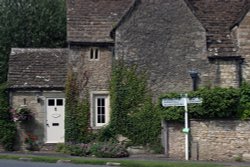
{"x": 194, "y": 76}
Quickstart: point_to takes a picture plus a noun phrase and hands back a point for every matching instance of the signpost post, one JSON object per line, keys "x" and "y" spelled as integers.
{"x": 184, "y": 101}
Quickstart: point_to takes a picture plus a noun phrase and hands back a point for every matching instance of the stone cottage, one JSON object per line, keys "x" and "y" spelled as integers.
{"x": 183, "y": 44}
{"x": 36, "y": 80}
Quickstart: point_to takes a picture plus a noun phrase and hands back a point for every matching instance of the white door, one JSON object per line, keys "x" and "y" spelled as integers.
{"x": 55, "y": 120}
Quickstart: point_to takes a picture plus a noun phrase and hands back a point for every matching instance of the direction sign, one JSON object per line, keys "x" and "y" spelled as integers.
{"x": 180, "y": 102}
{"x": 172, "y": 102}
{"x": 195, "y": 100}
{"x": 183, "y": 102}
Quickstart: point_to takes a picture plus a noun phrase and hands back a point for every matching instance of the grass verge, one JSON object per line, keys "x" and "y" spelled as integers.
{"x": 124, "y": 163}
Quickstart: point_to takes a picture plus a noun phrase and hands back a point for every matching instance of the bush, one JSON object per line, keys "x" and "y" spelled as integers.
{"x": 244, "y": 108}
{"x": 216, "y": 103}
{"x": 80, "y": 149}
{"x": 7, "y": 126}
{"x": 8, "y": 135}
{"x": 108, "y": 150}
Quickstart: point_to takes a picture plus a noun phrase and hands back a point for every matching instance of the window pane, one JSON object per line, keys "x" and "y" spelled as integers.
{"x": 51, "y": 102}
{"x": 101, "y": 119}
{"x": 91, "y": 53}
{"x": 55, "y": 124}
{"x": 100, "y": 110}
{"x": 100, "y": 102}
{"x": 96, "y": 54}
{"x": 59, "y": 102}
{"x": 103, "y": 102}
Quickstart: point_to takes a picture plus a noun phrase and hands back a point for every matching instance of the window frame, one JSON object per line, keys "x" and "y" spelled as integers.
{"x": 95, "y": 95}
{"x": 94, "y": 53}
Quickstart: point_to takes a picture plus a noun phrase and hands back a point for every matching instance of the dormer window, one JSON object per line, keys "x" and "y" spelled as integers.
{"x": 94, "y": 53}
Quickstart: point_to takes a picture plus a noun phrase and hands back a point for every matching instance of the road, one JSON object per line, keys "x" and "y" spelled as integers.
{"x": 16, "y": 163}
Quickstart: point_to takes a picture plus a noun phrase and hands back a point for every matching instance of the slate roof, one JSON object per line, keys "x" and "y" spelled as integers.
{"x": 218, "y": 18}
{"x": 92, "y": 20}
{"x": 37, "y": 68}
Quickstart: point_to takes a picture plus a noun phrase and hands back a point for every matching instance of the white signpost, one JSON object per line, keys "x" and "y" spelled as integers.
{"x": 184, "y": 101}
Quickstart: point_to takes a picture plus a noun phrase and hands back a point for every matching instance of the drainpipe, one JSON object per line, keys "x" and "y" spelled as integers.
{"x": 194, "y": 76}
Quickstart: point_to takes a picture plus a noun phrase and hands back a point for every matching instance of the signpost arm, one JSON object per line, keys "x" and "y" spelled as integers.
{"x": 186, "y": 126}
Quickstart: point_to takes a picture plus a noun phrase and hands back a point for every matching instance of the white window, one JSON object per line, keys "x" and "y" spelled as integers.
{"x": 100, "y": 109}
{"x": 94, "y": 54}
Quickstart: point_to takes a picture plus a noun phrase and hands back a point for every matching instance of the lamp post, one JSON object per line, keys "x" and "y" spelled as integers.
{"x": 194, "y": 76}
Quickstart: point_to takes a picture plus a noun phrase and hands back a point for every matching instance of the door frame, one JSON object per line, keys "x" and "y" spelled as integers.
{"x": 46, "y": 118}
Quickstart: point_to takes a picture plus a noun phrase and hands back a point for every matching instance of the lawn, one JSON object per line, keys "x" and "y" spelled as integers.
{"x": 124, "y": 163}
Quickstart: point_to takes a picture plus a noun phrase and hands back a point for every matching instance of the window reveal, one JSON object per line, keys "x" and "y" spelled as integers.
{"x": 94, "y": 53}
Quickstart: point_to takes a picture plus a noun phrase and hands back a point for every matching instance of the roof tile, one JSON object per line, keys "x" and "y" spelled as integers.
{"x": 218, "y": 17}
{"x": 92, "y": 20}
{"x": 37, "y": 68}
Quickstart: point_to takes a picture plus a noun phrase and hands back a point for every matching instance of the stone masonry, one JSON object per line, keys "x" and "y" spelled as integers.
{"x": 92, "y": 74}
{"x": 211, "y": 139}
{"x": 166, "y": 39}
{"x": 37, "y": 107}
{"x": 243, "y": 35}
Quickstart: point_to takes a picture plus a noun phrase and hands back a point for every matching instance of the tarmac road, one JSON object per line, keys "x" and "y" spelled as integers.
{"x": 16, "y": 163}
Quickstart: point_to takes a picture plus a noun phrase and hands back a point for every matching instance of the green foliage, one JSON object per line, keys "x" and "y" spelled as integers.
{"x": 108, "y": 150}
{"x": 171, "y": 113}
{"x": 71, "y": 133}
{"x": 133, "y": 114}
{"x": 76, "y": 114}
{"x": 30, "y": 23}
{"x": 26, "y": 23}
{"x": 216, "y": 103}
{"x": 244, "y": 108}
{"x": 7, "y": 126}
{"x": 100, "y": 149}
{"x": 145, "y": 123}
{"x": 79, "y": 149}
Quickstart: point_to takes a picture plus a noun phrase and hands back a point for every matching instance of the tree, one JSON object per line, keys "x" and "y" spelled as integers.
{"x": 30, "y": 23}
{"x": 26, "y": 23}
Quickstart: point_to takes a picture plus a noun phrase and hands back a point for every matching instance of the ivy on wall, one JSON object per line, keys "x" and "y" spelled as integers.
{"x": 133, "y": 115}
{"x": 7, "y": 125}
{"x": 76, "y": 112}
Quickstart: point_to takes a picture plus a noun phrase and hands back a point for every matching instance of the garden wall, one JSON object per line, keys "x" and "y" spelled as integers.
{"x": 209, "y": 140}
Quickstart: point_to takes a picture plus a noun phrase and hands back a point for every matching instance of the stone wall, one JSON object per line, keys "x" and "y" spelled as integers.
{"x": 210, "y": 139}
{"x": 226, "y": 72}
{"x": 243, "y": 36}
{"x": 37, "y": 107}
{"x": 94, "y": 75}
{"x": 166, "y": 39}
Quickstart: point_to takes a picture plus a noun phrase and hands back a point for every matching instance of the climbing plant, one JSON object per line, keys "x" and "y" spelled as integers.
{"x": 133, "y": 113}
{"x": 77, "y": 112}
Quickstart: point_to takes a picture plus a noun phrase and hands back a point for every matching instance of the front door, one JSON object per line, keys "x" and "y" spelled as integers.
{"x": 55, "y": 120}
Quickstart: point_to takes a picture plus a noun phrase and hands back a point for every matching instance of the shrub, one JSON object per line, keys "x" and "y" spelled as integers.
{"x": 216, "y": 103}
{"x": 22, "y": 114}
{"x": 244, "y": 108}
{"x": 8, "y": 135}
{"x": 109, "y": 150}
{"x": 79, "y": 149}
{"x": 31, "y": 142}
{"x": 7, "y": 126}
